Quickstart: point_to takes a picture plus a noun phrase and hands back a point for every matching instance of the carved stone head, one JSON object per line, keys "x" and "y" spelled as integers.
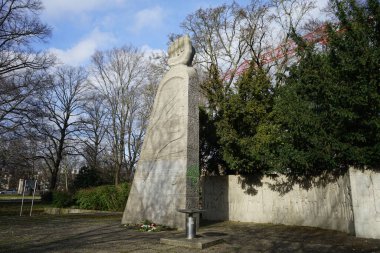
{"x": 181, "y": 52}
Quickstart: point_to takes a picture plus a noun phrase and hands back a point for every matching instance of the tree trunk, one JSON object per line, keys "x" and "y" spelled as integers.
{"x": 66, "y": 181}
{"x": 117, "y": 174}
{"x": 53, "y": 180}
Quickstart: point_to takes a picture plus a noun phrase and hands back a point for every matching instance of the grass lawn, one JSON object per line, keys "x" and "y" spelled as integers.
{"x": 13, "y": 208}
{"x": 16, "y": 196}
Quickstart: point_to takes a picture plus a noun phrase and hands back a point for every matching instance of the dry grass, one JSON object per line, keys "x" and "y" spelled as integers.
{"x": 13, "y": 208}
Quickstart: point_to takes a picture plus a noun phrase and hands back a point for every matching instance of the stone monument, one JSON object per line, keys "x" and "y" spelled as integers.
{"x": 167, "y": 174}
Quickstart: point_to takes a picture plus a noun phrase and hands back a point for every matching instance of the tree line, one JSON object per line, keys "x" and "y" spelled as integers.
{"x": 54, "y": 117}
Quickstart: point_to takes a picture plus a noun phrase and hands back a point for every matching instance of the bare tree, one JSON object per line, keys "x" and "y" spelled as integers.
{"x": 144, "y": 99}
{"x": 254, "y": 29}
{"x": 19, "y": 63}
{"x": 288, "y": 16}
{"x": 16, "y": 160}
{"x": 230, "y": 36}
{"x": 68, "y": 166}
{"x": 60, "y": 117}
{"x": 226, "y": 38}
{"x": 214, "y": 35}
{"x": 19, "y": 27}
{"x": 93, "y": 129}
{"x": 18, "y": 98}
{"x": 118, "y": 75}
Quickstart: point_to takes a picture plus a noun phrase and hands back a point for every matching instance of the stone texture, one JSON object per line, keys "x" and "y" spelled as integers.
{"x": 201, "y": 242}
{"x": 167, "y": 174}
{"x": 366, "y": 202}
{"x": 326, "y": 207}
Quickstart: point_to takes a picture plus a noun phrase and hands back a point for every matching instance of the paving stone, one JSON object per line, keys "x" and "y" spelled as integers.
{"x": 81, "y": 233}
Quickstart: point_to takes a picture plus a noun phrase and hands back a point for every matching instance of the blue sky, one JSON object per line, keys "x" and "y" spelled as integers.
{"x": 82, "y": 26}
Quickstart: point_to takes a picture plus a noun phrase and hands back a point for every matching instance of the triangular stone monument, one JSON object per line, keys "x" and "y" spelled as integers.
{"x": 167, "y": 174}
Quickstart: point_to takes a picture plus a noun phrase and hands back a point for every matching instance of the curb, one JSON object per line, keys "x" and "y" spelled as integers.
{"x": 58, "y": 211}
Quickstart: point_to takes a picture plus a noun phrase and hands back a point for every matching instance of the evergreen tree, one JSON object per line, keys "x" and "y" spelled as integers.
{"x": 242, "y": 114}
{"x": 87, "y": 177}
{"x": 211, "y": 157}
{"x": 328, "y": 113}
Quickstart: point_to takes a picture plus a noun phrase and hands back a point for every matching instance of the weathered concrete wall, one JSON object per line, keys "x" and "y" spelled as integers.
{"x": 326, "y": 207}
{"x": 365, "y": 187}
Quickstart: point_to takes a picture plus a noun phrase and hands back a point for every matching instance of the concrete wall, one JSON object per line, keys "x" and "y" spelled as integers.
{"x": 365, "y": 187}
{"x": 230, "y": 198}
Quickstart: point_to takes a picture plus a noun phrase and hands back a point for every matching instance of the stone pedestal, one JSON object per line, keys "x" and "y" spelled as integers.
{"x": 167, "y": 174}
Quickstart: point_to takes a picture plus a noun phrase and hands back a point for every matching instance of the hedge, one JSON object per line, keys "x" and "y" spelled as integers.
{"x": 105, "y": 197}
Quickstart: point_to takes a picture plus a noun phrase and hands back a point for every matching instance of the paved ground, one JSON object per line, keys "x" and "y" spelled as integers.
{"x": 103, "y": 233}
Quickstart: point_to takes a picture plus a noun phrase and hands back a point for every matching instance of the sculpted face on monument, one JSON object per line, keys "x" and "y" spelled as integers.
{"x": 181, "y": 51}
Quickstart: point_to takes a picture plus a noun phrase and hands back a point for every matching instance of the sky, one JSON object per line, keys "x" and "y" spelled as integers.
{"x": 79, "y": 27}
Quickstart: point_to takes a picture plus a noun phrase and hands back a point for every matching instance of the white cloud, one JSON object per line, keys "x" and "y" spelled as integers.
{"x": 152, "y": 54}
{"x": 148, "y": 18}
{"x": 318, "y": 11}
{"x": 82, "y": 51}
{"x": 150, "y": 51}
